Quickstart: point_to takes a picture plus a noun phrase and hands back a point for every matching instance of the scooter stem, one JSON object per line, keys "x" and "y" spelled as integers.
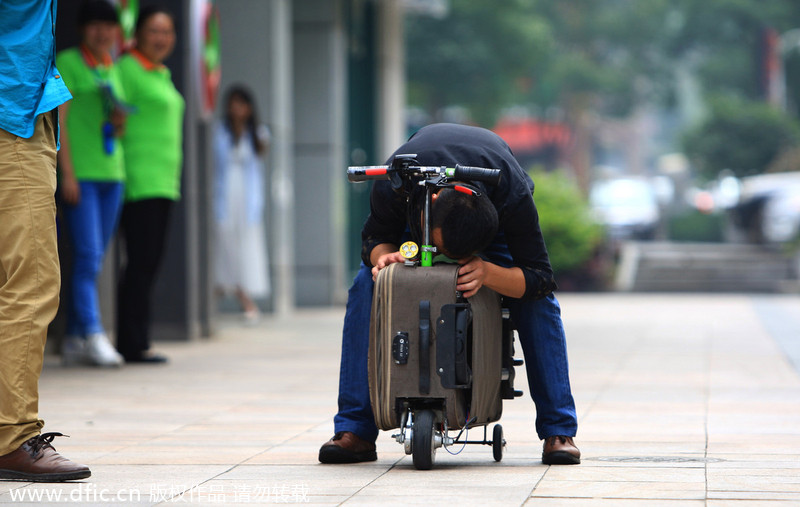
{"x": 426, "y": 259}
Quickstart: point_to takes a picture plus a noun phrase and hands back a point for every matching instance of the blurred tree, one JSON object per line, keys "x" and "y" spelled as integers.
{"x": 607, "y": 60}
{"x": 486, "y": 56}
{"x": 740, "y": 135}
{"x": 589, "y": 58}
{"x": 724, "y": 40}
{"x": 725, "y": 43}
{"x": 608, "y": 49}
{"x": 481, "y": 56}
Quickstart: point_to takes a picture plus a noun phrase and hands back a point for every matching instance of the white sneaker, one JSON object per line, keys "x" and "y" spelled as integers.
{"x": 100, "y": 352}
{"x": 73, "y": 351}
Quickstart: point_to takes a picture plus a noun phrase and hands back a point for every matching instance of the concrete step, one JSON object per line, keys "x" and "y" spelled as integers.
{"x": 704, "y": 267}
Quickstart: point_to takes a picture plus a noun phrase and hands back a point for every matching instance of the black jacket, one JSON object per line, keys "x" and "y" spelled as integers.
{"x": 447, "y": 145}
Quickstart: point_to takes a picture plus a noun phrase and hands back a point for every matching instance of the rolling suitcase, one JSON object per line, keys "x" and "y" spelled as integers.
{"x": 430, "y": 350}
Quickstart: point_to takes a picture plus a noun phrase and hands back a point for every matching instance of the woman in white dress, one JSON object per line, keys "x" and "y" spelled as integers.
{"x": 240, "y": 143}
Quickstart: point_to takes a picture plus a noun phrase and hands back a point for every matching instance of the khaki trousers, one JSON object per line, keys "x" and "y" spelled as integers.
{"x": 29, "y": 275}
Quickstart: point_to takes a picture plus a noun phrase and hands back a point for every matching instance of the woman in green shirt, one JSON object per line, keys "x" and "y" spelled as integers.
{"x": 91, "y": 183}
{"x": 152, "y": 144}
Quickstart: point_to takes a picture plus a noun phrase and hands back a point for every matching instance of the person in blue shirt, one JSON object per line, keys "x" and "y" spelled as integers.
{"x": 30, "y": 92}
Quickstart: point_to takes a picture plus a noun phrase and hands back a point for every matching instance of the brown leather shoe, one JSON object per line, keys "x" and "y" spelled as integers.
{"x": 37, "y": 461}
{"x": 347, "y": 447}
{"x": 560, "y": 450}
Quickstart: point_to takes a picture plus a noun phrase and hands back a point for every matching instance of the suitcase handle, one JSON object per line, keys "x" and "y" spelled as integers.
{"x": 424, "y": 347}
{"x": 452, "y": 345}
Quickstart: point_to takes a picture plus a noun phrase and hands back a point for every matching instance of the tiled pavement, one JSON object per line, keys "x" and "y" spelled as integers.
{"x": 683, "y": 400}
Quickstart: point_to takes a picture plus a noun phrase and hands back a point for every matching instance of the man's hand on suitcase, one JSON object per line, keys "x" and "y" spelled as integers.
{"x": 475, "y": 273}
{"x": 471, "y": 275}
{"x": 384, "y": 260}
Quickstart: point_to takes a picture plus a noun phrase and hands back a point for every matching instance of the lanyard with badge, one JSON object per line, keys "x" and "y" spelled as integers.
{"x": 110, "y": 101}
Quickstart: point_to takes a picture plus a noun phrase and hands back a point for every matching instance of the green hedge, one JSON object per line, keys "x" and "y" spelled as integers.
{"x": 696, "y": 226}
{"x": 571, "y": 235}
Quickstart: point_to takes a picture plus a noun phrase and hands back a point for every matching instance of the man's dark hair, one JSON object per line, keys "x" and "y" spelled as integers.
{"x": 468, "y": 222}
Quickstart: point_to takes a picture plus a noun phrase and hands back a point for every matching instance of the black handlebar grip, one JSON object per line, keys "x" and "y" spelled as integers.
{"x": 490, "y": 176}
{"x": 366, "y": 173}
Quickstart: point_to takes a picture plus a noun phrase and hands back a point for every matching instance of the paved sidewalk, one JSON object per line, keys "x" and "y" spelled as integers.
{"x": 683, "y": 400}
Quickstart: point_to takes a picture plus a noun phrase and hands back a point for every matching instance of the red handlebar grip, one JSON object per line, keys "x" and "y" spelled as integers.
{"x": 364, "y": 173}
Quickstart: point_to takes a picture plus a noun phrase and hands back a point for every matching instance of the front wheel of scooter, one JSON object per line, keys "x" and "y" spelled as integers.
{"x": 423, "y": 448}
{"x": 498, "y": 442}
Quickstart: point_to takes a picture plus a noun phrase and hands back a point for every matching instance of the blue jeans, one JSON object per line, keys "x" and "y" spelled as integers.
{"x": 541, "y": 334}
{"x": 91, "y": 224}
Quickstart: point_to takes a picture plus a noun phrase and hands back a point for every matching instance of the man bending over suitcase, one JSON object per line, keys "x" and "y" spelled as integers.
{"x": 514, "y": 264}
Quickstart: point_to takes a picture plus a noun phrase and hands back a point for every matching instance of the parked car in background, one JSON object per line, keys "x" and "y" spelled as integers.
{"x": 768, "y": 210}
{"x": 627, "y": 207}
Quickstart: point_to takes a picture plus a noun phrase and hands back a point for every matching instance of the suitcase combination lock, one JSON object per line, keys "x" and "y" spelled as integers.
{"x": 400, "y": 348}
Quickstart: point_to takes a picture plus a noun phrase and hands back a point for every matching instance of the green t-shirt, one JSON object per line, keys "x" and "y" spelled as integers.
{"x": 88, "y": 111}
{"x": 153, "y": 133}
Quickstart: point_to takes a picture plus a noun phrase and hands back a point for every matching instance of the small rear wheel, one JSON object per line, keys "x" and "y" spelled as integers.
{"x": 423, "y": 450}
{"x": 497, "y": 442}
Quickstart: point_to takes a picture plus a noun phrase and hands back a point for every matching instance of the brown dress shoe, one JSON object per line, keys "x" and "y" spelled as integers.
{"x": 560, "y": 450}
{"x": 37, "y": 461}
{"x": 347, "y": 447}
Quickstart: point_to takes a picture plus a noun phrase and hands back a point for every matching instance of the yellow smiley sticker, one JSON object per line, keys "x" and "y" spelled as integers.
{"x": 409, "y": 249}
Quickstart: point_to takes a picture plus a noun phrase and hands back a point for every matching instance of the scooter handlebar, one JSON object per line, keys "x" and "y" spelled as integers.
{"x": 459, "y": 172}
{"x": 463, "y": 172}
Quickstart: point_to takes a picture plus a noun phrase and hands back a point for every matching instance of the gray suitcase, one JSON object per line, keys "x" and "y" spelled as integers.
{"x": 429, "y": 350}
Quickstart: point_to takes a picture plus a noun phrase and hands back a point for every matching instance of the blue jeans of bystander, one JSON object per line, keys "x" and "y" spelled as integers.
{"x": 91, "y": 224}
